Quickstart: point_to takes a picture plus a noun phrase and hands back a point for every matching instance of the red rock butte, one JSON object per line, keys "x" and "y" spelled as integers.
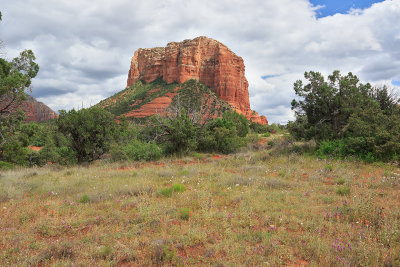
{"x": 203, "y": 59}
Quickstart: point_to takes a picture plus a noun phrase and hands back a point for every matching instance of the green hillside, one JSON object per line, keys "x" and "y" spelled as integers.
{"x": 192, "y": 95}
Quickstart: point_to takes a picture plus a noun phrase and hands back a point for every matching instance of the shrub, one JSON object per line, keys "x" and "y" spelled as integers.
{"x": 343, "y": 191}
{"x": 84, "y": 199}
{"x": 341, "y": 181}
{"x": 347, "y": 118}
{"x": 218, "y": 138}
{"x": 274, "y": 128}
{"x": 6, "y": 165}
{"x": 258, "y": 128}
{"x": 184, "y": 213}
{"x": 90, "y": 131}
{"x": 271, "y": 143}
{"x": 178, "y": 188}
{"x": 136, "y": 150}
{"x": 198, "y": 155}
{"x": 104, "y": 252}
{"x": 329, "y": 168}
{"x": 238, "y": 120}
{"x": 166, "y": 192}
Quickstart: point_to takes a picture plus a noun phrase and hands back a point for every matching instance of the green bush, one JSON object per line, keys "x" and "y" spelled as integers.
{"x": 136, "y": 150}
{"x": 6, "y": 165}
{"x": 238, "y": 120}
{"x": 104, "y": 252}
{"x": 198, "y": 155}
{"x": 178, "y": 187}
{"x": 329, "y": 168}
{"x": 84, "y": 199}
{"x": 90, "y": 131}
{"x": 343, "y": 191}
{"x": 166, "y": 192}
{"x": 271, "y": 143}
{"x": 347, "y": 118}
{"x": 184, "y": 213}
{"x": 341, "y": 181}
{"x": 258, "y": 128}
{"x": 274, "y": 128}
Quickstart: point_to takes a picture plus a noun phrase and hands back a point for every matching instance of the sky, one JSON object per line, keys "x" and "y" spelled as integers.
{"x": 84, "y": 48}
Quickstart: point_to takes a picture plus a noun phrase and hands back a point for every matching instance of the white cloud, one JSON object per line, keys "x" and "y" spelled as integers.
{"x": 84, "y": 47}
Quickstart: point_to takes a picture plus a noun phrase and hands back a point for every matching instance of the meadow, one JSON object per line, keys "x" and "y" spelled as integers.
{"x": 263, "y": 206}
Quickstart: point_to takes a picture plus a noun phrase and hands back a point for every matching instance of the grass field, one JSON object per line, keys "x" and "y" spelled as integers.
{"x": 254, "y": 208}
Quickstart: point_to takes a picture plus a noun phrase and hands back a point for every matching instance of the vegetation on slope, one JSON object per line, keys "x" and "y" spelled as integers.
{"x": 135, "y": 96}
{"x": 191, "y": 95}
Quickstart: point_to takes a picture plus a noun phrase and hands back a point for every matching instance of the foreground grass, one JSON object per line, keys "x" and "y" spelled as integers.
{"x": 254, "y": 208}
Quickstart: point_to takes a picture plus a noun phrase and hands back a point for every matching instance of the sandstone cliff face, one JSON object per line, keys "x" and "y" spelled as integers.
{"x": 34, "y": 110}
{"x": 202, "y": 59}
{"x": 37, "y": 111}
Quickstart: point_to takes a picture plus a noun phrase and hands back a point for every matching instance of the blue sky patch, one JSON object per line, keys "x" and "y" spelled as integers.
{"x": 265, "y": 77}
{"x": 332, "y": 7}
{"x": 397, "y": 83}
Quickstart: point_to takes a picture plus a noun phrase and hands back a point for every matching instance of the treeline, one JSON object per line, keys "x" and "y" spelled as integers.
{"x": 91, "y": 134}
{"x": 346, "y": 118}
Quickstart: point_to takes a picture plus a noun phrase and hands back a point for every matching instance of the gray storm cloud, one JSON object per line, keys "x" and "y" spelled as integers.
{"x": 84, "y": 47}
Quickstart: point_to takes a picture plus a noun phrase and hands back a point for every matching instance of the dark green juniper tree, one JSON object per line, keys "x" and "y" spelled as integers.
{"x": 347, "y": 117}
{"x": 90, "y": 131}
{"x": 15, "y": 80}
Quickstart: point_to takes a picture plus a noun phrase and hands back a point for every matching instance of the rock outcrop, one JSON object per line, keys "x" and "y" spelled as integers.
{"x": 202, "y": 59}
{"x": 37, "y": 111}
{"x": 33, "y": 109}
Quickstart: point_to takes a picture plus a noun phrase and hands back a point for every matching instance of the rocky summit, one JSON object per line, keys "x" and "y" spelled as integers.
{"x": 202, "y": 59}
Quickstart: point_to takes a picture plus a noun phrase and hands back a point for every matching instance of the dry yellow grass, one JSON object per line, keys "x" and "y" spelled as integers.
{"x": 256, "y": 208}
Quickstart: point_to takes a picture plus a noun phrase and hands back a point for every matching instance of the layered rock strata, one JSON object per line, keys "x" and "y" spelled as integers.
{"x": 203, "y": 59}
{"x": 33, "y": 109}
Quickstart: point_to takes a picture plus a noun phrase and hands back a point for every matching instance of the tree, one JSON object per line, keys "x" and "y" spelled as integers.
{"x": 347, "y": 117}
{"x": 324, "y": 107}
{"x": 239, "y": 120}
{"x": 90, "y": 131}
{"x": 15, "y": 80}
{"x": 177, "y": 133}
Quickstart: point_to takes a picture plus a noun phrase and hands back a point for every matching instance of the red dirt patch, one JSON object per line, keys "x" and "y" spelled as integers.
{"x": 262, "y": 141}
{"x": 329, "y": 181}
{"x": 35, "y": 148}
{"x": 182, "y": 162}
{"x": 218, "y": 157}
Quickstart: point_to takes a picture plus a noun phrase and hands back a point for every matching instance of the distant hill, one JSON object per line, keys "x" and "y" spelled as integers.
{"x": 33, "y": 109}
{"x": 37, "y": 111}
